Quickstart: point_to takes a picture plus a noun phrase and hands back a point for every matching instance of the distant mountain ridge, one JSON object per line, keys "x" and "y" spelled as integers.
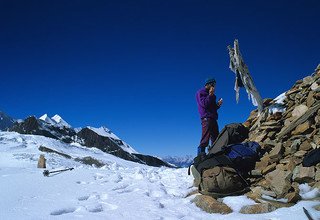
{"x": 178, "y": 161}
{"x": 102, "y": 138}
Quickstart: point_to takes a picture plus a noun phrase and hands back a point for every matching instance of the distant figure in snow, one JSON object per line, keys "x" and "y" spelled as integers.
{"x": 208, "y": 110}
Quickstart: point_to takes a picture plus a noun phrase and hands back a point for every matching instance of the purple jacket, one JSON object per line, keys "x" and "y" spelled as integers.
{"x": 207, "y": 105}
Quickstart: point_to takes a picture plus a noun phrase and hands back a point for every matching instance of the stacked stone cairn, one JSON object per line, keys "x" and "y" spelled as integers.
{"x": 288, "y": 129}
{"x": 288, "y": 134}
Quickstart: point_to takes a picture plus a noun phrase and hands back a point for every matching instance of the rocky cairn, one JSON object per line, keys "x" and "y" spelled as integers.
{"x": 288, "y": 130}
{"x": 288, "y": 134}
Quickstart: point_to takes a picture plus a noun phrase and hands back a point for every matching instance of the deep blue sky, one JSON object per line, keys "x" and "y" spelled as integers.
{"x": 135, "y": 66}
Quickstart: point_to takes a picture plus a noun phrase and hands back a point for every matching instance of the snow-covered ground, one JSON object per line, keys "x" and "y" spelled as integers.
{"x": 119, "y": 190}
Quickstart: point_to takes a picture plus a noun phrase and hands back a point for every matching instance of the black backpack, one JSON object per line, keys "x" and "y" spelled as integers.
{"x": 234, "y": 133}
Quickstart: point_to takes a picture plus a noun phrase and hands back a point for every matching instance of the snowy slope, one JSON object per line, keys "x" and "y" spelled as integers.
{"x": 119, "y": 190}
{"x": 105, "y": 132}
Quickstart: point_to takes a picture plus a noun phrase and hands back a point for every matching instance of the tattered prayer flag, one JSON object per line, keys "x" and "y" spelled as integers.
{"x": 243, "y": 78}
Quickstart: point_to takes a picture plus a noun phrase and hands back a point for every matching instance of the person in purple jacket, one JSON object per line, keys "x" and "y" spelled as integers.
{"x": 208, "y": 110}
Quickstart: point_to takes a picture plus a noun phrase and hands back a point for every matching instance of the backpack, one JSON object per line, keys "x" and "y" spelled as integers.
{"x": 244, "y": 156}
{"x": 231, "y": 134}
{"x": 225, "y": 172}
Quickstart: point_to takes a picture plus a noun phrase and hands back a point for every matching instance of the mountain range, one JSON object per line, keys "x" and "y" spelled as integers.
{"x": 101, "y": 138}
{"x": 178, "y": 161}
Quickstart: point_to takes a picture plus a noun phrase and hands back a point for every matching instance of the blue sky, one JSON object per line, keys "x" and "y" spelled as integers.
{"x": 135, "y": 66}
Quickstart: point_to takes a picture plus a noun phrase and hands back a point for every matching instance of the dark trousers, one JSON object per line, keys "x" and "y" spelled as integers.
{"x": 210, "y": 131}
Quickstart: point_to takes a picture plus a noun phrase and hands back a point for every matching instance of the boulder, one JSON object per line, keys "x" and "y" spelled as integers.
{"x": 257, "y": 208}
{"x": 269, "y": 168}
{"x": 299, "y": 110}
{"x": 306, "y": 146}
{"x": 315, "y": 86}
{"x": 303, "y": 174}
{"x": 276, "y": 153}
{"x": 302, "y": 128}
{"x": 293, "y": 197}
{"x": 279, "y": 181}
{"x": 310, "y": 99}
{"x": 211, "y": 205}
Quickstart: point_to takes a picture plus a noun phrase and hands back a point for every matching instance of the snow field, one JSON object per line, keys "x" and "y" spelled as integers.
{"x": 119, "y": 190}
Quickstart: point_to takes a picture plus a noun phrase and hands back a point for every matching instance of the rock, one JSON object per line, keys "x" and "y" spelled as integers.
{"x": 256, "y": 172}
{"x": 276, "y": 153}
{"x": 315, "y": 86}
{"x": 271, "y": 128}
{"x": 307, "y": 80}
{"x": 317, "y": 120}
{"x": 316, "y": 185}
{"x": 288, "y": 121}
{"x": 255, "y": 193}
{"x": 194, "y": 192}
{"x": 292, "y": 163}
{"x": 302, "y": 128}
{"x": 300, "y": 153}
{"x": 303, "y": 174}
{"x": 295, "y": 145}
{"x": 42, "y": 162}
{"x": 279, "y": 181}
{"x": 272, "y": 134}
{"x": 316, "y": 207}
{"x": 260, "y": 137}
{"x": 276, "y": 116}
{"x": 269, "y": 169}
{"x": 316, "y": 139}
{"x": 293, "y": 197}
{"x": 306, "y": 146}
{"x": 264, "y": 183}
{"x": 317, "y": 176}
{"x": 310, "y": 99}
{"x": 257, "y": 209}
{"x": 299, "y": 110}
{"x": 263, "y": 163}
{"x": 211, "y": 205}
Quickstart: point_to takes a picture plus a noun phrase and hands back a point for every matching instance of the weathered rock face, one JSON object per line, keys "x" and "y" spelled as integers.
{"x": 287, "y": 136}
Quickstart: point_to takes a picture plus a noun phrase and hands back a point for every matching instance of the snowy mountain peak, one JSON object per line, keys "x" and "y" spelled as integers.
{"x": 59, "y": 121}
{"x": 46, "y": 118}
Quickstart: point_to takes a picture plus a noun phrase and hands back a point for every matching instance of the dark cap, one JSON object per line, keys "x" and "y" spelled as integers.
{"x": 210, "y": 81}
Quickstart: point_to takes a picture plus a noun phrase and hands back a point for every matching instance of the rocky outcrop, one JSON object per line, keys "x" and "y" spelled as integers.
{"x": 287, "y": 135}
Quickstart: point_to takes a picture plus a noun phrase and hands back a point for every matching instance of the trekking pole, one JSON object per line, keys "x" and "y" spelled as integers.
{"x": 47, "y": 172}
